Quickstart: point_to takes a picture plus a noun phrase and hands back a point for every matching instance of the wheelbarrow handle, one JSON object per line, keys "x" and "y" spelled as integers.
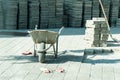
{"x": 60, "y": 30}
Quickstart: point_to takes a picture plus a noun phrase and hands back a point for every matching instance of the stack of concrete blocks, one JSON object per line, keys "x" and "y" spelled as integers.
{"x": 65, "y": 16}
{"x": 44, "y": 10}
{"x": 75, "y": 16}
{"x": 106, "y": 5}
{"x": 96, "y": 32}
{"x": 73, "y": 9}
{"x": 67, "y": 8}
{"x": 59, "y": 13}
{"x": 51, "y": 13}
{"x": 95, "y": 8}
{"x": 114, "y": 12}
{"x": 23, "y": 14}
{"x": 87, "y": 10}
{"x": 11, "y": 14}
{"x": 65, "y": 20}
{"x": 1, "y": 15}
{"x": 118, "y": 23}
{"x": 34, "y": 13}
{"x": 47, "y": 13}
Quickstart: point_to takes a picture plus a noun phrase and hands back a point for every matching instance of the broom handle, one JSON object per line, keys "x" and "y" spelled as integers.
{"x": 105, "y": 16}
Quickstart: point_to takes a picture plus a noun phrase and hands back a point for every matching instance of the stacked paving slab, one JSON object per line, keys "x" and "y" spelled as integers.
{"x": 67, "y": 8}
{"x": 73, "y": 11}
{"x": 34, "y": 13}
{"x": 96, "y": 32}
{"x": 106, "y": 5}
{"x": 118, "y": 22}
{"x": 11, "y": 14}
{"x": 114, "y": 12}
{"x": 87, "y": 10}
{"x": 59, "y": 13}
{"x": 51, "y": 13}
{"x": 23, "y": 14}
{"x": 95, "y": 8}
{"x": 1, "y": 15}
{"x": 75, "y": 16}
{"x": 44, "y": 14}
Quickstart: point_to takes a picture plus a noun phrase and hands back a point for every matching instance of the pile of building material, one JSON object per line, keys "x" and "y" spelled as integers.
{"x": 96, "y": 32}
{"x": 23, "y": 14}
{"x": 51, "y": 13}
{"x": 1, "y": 16}
{"x": 75, "y": 16}
{"x": 87, "y": 10}
{"x": 34, "y": 13}
{"x": 59, "y": 13}
{"x": 11, "y": 14}
{"x": 114, "y": 12}
{"x": 95, "y": 8}
{"x": 106, "y": 5}
{"x": 67, "y": 8}
{"x": 44, "y": 13}
{"x": 118, "y": 22}
{"x": 73, "y": 11}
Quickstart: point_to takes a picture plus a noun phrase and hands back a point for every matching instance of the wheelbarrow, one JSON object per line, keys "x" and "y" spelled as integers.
{"x": 43, "y": 37}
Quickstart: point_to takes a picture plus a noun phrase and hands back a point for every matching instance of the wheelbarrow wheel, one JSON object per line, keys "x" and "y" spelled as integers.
{"x": 35, "y": 52}
{"x": 41, "y": 57}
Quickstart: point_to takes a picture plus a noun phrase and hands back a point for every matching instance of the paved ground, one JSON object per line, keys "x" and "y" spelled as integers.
{"x": 15, "y": 66}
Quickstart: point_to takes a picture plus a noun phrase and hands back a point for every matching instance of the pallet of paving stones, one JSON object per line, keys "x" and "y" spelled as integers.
{"x": 106, "y": 5}
{"x": 34, "y": 11}
{"x": 66, "y": 6}
{"x": 66, "y": 12}
{"x": 1, "y": 16}
{"x": 118, "y": 22}
{"x": 75, "y": 17}
{"x": 59, "y": 13}
{"x": 44, "y": 14}
{"x": 87, "y": 10}
{"x": 114, "y": 12}
{"x": 23, "y": 14}
{"x": 11, "y": 14}
{"x": 51, "y": 13}
{"x": 59, "y": 8}
{"x": 96, "y": 32}
{"x": 95, "y": 8}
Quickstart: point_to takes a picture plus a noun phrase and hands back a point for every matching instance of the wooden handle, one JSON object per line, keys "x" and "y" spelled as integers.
{"x": 104, "y": 13}
{"x": 105, "y": 18}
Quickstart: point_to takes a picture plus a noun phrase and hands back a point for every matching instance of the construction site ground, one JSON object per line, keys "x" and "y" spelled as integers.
{"x": 101, "y": 66}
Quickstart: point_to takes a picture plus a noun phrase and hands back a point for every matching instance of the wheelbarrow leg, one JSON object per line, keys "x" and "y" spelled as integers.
{"x": 41, "y": 56}
{"x": 35, "y": 52}
{"x": 56, "y": 49}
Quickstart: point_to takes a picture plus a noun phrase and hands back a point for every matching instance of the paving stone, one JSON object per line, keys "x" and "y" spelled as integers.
{"x": 96, "y": 32}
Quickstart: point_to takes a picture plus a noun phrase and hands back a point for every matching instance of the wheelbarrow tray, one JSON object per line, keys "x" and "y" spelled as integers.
{"x": 43, "y": 36}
